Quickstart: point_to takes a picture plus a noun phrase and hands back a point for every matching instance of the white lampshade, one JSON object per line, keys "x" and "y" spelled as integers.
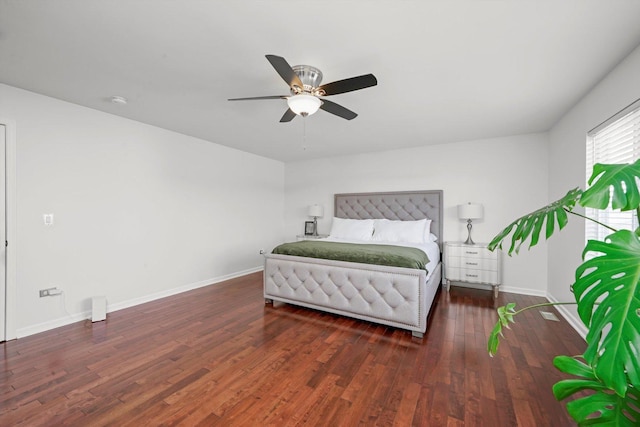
{"x": 303, "y": 104}
{"x": 470, "y": 211}
{"x": 316, "y": 210}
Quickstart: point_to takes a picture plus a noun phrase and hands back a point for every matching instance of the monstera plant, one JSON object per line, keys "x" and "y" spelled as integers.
{"x": 606, "y": 378}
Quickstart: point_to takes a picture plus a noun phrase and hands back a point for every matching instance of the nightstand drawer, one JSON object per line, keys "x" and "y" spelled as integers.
{"x": 471, "y": 275}
{"x": 473, "y": 263}
{"x": 471, "y": 252}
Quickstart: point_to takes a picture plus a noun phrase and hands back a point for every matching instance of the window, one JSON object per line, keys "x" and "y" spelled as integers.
{"x": 617, "y": 140}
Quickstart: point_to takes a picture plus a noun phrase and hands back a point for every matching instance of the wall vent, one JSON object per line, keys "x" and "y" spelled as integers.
{"x": 549, "y": 316}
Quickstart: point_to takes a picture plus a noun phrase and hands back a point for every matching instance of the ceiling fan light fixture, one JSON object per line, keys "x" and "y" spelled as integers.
{"x": 303, "y": 104}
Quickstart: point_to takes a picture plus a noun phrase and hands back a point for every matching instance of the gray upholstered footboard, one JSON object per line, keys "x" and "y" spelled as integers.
{"x": 399, "y": 297}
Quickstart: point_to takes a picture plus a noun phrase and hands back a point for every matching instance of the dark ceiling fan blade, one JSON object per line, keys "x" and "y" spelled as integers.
{"x": 349, "y": 85}
{"x": 338, "y": 110}
{"x": 259, "y": 97}
{"x": 288, "y": 116}
{"x": 286, "y": 72}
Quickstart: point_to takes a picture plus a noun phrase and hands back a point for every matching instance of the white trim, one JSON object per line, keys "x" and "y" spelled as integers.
{"x": 52, "y": 324}
{"x": 46, "y": 326}
{"x": 575, "y": 323}
{"x": 152, "y": 297}
{"x": 77, "y": 317}
{"x": 524, "y": 291}
{"x": 502, "y": 288}
{"x": 10, "y": 195}
{"x": 626, "y": 110}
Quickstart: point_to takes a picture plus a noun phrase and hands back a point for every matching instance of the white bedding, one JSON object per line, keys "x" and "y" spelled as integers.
{"x": 430, "y": 248}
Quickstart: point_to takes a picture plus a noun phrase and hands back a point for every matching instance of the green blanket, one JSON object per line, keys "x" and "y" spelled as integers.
{"x": 396, "y": 256}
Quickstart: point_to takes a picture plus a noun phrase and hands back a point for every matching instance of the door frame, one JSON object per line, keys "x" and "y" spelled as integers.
{"x": 11, "y": 298}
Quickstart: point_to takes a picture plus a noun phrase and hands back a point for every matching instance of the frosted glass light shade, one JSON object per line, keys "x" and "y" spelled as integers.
{"x": 470, "y": 211}
{"x": 304, "y": 105}
{"x": 316, "y": 211}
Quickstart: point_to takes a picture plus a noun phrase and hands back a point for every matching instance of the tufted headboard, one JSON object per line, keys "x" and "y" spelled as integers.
{"x": 404, "y": 205}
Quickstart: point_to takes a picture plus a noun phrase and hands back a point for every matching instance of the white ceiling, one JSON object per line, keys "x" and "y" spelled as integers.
{"x": 447, "y": 70}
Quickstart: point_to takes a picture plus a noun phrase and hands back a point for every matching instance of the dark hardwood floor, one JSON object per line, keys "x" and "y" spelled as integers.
{"x": 219, "y": 356}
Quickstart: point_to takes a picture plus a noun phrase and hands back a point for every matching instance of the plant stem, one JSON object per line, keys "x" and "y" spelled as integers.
{"x": 591, "y": 219}
{"x": 546, "y": 304}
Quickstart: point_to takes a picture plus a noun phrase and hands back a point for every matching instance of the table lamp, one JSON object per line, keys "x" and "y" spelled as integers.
{"x": 470, "y": 211}
{"x": 316, "y": 211}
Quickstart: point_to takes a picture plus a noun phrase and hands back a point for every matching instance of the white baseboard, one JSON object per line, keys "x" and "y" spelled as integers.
{"x": 52, "y": 324}
{"x": 524, "y": 291}
{"x": 152, "y": 297}
{"x": 78, "y": 317}
{"x": 575, "y": 322}
{"x": 510, "y": 289}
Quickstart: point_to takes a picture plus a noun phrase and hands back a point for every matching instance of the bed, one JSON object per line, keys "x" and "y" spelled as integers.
{"x": 400, "y": 297}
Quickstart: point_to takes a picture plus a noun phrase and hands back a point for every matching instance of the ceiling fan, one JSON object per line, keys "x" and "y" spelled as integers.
{"x": 306, "y": 92}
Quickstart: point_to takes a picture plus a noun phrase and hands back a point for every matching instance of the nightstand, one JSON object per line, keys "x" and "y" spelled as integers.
{"x": 307, "y": 237}
{"x": 471, "y": 264}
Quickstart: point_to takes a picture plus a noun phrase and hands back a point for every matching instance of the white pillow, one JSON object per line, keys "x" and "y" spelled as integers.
{"x": 357, "y": 229}
{"x": 428, "y": 235}
{"x": 401, "y": 231}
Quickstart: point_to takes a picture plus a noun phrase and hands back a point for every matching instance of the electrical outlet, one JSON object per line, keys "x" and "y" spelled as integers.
{"x": 49, "y": 292}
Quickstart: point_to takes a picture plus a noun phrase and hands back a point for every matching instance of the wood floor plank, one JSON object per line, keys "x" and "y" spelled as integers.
{"x": 407, "y": 407}
{"x": 218, "y": 356}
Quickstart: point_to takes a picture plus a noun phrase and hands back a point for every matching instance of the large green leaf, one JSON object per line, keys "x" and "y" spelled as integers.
{"x": 606, "y": 409}
{"x": 607, "y": 290}
{"x": 531, "y": 224}
{"x": 613, "y": 183}
{"x": 573, "y": 366}
{"x": 602, "y": 407}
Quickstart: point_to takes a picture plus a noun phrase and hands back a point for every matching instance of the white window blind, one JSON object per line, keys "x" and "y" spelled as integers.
{"x": 617, "y": 140}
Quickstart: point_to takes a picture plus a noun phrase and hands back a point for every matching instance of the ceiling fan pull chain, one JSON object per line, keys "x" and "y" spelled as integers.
{"x": 304, "y": 133}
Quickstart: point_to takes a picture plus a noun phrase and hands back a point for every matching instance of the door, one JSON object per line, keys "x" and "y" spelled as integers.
{"x": 3, "y": 234}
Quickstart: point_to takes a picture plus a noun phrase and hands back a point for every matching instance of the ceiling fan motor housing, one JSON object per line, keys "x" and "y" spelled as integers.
{"x": 311, "y": 77}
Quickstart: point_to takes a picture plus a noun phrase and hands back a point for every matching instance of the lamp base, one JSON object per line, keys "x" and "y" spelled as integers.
{"x": 315, "y": 225}
{"x": 469, "y": 241}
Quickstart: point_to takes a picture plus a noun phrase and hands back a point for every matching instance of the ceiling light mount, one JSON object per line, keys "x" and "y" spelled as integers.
{"x": 118, "y": 100}
{"x": 311, "y": 77}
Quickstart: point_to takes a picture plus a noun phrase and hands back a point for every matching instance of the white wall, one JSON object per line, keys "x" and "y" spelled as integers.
{"x": 567, "y": 167}
{"x": 507, "y": 175}
{"x": 140, "y": 212}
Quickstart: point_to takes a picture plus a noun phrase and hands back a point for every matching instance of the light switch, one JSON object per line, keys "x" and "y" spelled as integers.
{"x": 48, "y": 219}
